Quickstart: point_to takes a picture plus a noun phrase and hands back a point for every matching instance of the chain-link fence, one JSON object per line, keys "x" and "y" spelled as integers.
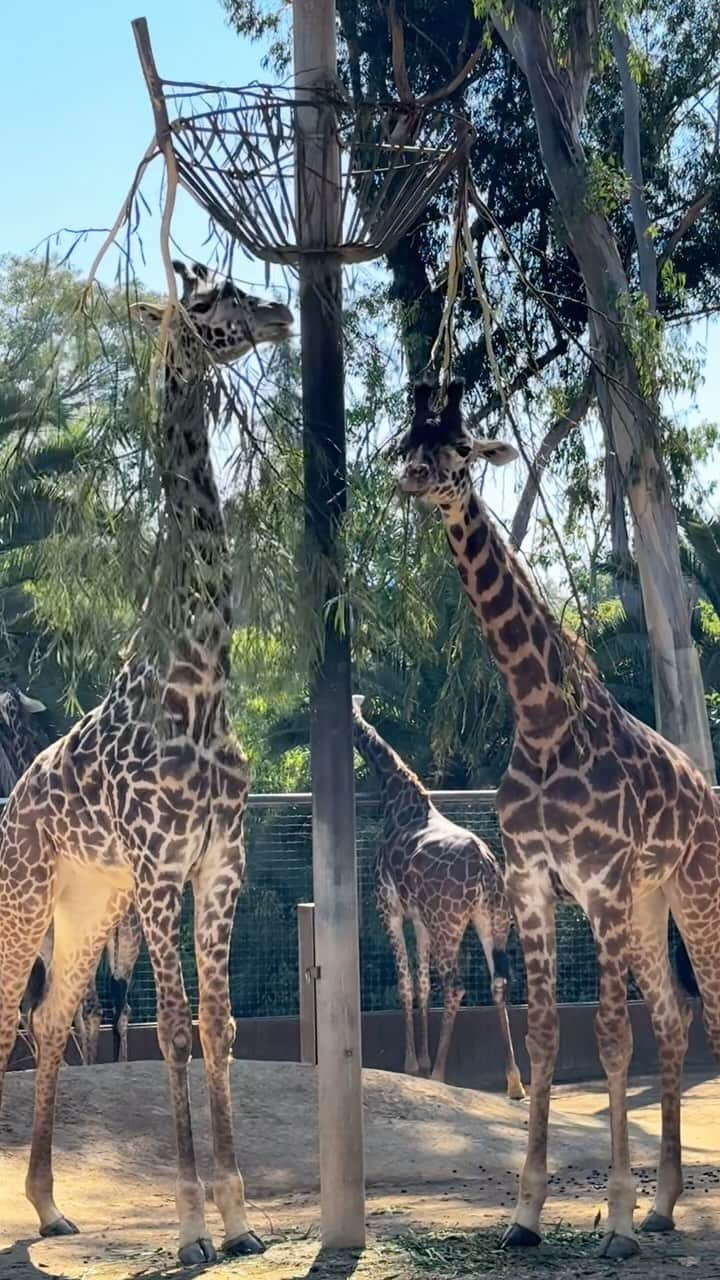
{"x": 264, "y": 961}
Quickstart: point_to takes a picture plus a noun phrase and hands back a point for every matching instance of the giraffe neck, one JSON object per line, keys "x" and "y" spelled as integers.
{"x": 538, "y": 660}
{"x": 397, "y": 781}
{"x": 193, "y": 571}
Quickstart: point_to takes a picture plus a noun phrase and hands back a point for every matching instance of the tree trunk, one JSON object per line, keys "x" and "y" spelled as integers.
{"x": 625, "y": 576}
{"x": 630, "y": 422}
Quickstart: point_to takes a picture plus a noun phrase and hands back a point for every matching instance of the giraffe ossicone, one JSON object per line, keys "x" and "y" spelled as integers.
{"x": 146, "y": 792}
{"x": 594, "y": 804}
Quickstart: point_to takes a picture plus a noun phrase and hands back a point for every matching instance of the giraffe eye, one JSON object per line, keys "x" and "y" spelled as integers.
{"x": 463, "y": 450}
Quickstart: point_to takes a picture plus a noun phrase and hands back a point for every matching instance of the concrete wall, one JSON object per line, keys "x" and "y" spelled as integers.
{"x": 475, "y": 1056}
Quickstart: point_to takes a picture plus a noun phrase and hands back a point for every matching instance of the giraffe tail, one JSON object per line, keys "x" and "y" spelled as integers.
{"x": 684, "y": 969}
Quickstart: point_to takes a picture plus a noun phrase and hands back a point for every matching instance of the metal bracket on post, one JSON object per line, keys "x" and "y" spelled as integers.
{"x": 308, "y": 973}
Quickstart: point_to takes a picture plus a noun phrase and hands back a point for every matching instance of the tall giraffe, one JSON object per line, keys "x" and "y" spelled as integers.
{"x": 442, "y": 878}
{"x": 20, "y": 744}
{"x": 595, "y": 802}
{"x": 147, "y": 791}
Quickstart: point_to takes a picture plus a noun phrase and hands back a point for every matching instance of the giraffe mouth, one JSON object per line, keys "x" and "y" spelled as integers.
{"x": 412, "y": 486}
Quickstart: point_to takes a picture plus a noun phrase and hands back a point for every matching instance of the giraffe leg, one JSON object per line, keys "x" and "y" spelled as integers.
{"x": 160, "y": 908}
{"x": 214, "y": 912}
{"x": 87, "y": 901}
{"x": 533, "y": 901}
{"x": 650, "y": 962}
{"x": 422, "y": 938}
{"x": 694, "y": 897}
{"x": 614, "y": 1037}
{"x": 16, "y": 964}
{"x": 496, "y": 956}
{"x": 388, "y": 907}
{"x": 453, "y": 992}
{"x": 88, "y": 1020}
{"x": 123, "y": 950}
{"x": 24, "y": 944}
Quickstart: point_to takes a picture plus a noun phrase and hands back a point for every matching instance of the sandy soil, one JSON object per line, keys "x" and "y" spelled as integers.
{"x": 442, "y": 1169}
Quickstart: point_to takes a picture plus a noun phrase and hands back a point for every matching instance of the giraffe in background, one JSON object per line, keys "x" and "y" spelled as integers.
{"x": 148, "y": 791}
{"x": 594, "y": 801}
{"x": 442, "y": 878}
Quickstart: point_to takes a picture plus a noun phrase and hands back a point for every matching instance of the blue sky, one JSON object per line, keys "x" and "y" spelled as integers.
{"x": 72, "y": 83}
{"x": 75, "y": 87}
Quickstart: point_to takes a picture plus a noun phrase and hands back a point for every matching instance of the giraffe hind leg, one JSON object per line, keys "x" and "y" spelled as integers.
{"x": 650, "y": 963}
{"x": 88, "y": 901}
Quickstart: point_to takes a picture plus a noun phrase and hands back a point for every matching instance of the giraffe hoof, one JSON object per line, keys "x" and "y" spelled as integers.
{"x": 243, "y": 1246}
{"x": 516, "y": 1093}
{"x": 60, "y": 1227}
{"x": 197, "y": 1253}
{"x": 657, "y": 1222}
{"x": 615, "y": 1247}
{"x": 518, "y": 1237}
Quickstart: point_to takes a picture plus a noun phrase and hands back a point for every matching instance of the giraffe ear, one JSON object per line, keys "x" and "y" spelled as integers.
{"x": 358, "y": 699}
{"x": 148, "y": 315}
{"x": 498, "y": 452}
{"x": 31, "y": 705}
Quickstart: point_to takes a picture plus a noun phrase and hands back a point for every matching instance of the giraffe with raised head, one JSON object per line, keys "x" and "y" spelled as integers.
{"x": 442, "y": 878}
{"x": 593, "y": 802}
{"x": 148, "y": 791}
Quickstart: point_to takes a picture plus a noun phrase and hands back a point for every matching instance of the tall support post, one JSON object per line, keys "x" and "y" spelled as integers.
{"x": 342, "y": 1181}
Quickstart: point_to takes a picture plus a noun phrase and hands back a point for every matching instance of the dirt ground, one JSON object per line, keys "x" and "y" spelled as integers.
{"x": 442, "y": 1168}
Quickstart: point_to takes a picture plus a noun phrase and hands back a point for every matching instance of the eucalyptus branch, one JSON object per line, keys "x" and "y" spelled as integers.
{"x": 632, "y": 160}
{"x": 560, "y": 428}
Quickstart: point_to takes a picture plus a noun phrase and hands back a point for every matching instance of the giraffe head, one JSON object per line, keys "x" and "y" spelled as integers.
{"x": 221, "y": 318}
{"x": 357, "y": 703}
{"x": 436, "y": 453}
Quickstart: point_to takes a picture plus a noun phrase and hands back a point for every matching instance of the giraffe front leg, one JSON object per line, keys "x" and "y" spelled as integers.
{"x": 614, "y": 1037}
{"x": 533, "y": 901}
{"x": 389, "y": 911}
{"x": 422, "y": 938}
{"x": 160, "y": 907}
{"x": 453, "y": 992}
{"x": 214, "y": 913}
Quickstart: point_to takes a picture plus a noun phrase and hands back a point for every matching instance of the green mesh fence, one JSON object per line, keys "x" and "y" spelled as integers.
{"x": 264, "y": 963}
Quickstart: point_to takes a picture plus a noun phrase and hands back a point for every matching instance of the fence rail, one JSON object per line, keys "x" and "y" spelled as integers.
{"x": 264, "y": 950}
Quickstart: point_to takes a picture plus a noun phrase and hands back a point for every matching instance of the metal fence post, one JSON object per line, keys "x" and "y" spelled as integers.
{"x": 307, "y": 980}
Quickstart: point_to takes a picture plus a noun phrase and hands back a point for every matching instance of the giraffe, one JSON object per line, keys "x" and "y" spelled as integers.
{"x": 148, "y": 791}
{"x": 20, "y": 744}
{"x": 442, "y": 878}
{"x": 592, "y": 801}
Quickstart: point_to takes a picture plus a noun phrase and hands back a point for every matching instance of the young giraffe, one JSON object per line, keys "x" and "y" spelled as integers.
{"x": 148, "y": 791}
{"x": 593, "y": 801}
{"x": 442, "y": 877}
{"x": 20, "y": 745}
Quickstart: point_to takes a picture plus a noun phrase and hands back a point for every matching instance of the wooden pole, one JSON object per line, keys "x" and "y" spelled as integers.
{"x": 342, "y": 1182}
{"x": 307, "y": 982}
